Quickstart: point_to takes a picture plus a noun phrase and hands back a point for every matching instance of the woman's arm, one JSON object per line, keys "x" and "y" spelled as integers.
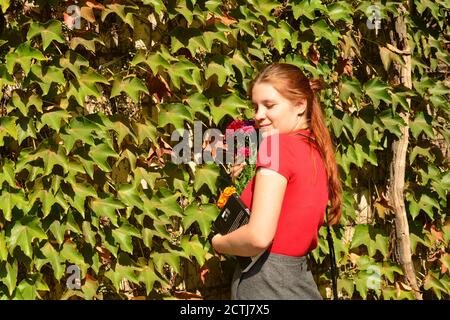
{"x": 254, "y": 237}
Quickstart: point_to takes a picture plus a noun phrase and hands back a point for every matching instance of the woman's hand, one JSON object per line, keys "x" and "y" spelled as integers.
{"x": 214, "y": 241}
{"x": 236, "y": 170}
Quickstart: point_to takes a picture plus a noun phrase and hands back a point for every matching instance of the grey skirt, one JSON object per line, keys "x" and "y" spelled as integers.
{"x": 275, "y": 276}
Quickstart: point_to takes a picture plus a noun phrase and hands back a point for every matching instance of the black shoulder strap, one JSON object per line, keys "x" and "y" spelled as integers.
{"x": 334, "y": 270}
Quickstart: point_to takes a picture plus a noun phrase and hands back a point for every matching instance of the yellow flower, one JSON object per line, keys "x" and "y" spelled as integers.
{"x": 229, "y": 191}
{"x": 221, "y": 202}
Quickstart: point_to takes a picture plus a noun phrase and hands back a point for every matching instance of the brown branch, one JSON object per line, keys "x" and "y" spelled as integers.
{"x": 397, "y": 166}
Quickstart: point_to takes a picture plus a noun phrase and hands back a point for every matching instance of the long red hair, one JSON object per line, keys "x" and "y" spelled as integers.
{"x": 290, "y": 82}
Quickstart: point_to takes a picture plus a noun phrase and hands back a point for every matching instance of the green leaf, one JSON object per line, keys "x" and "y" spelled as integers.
{"x": 175, "y": 114}
{"x": 219, "y": 70}
{"x": 85, "y": 85}
{"x": 7, "y": 128}
{"x": 55, "y": 260}
{"x": 71, "y": 254}
{"x": 169, "y": 205}
{"x": 53, "y": 119}
{"x": 4, "y": 5}
{"x": 231, "y": 105}
{"x": 123, "y": 235}
{"x": 146, "y": 130}
{"x": 361, "y": 236}
{"x": 377, "y": 90}
{"x": 23, "y": 232}
{"x": 433, "y": 282}
{"x": 8, "y": 275}
{"x": 81, "y": 192}
{"x": 7, "y": 173}
{"x": 349, "y": 86}
{"x": 9, "y": 200}
{"x": 3, "y": 250}
{"x": 392, "y": 122}
{"x": 161, "y": 259}
{"x": 197, "y": 103}
{"x": 100, "y": 154}
{"x": 340, "y": 10}
{"x": 125, "y": 12}
{"x": 107, "y": 207}
{"x": 89, "y": 288}
{"x": 422, "y": 151}
{"x": 421, "y": 123}
{"x": 5, "y": 77}
{"x": 158, "y": 5}
{"x": 194, "y": 248}
{"x": 347, "y": 285}
{"x": 129, "y": 195}
{"x": 264, "y": 7}
{"x": 148, "y": 277}
{"x": 49, "y": 31}
{"x": 307, "y": 8}
{"x": 322, "y": 30}
{"x": 131, "y": 86}
{"x": 208, "y": 175}
{"x": 279, "y": 34}
{"x": 58, "y": 231}
{"x": 204, "y": 215}
{"x": 23, "y": 55}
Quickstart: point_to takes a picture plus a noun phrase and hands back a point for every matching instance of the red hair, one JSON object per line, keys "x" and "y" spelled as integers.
{"x": 291, "y": 83}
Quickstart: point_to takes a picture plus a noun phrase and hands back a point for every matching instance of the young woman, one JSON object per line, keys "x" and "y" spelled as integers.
{"x": 296, "y": 176}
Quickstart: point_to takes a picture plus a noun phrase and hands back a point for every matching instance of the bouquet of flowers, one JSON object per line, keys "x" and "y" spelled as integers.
{"x": 236, "y": 135}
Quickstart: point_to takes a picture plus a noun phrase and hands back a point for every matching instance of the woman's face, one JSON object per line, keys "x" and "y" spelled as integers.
{"x": 275, "y": 113}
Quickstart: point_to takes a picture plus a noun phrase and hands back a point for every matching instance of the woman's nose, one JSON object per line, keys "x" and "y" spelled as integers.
{"x": 259, "y": 114}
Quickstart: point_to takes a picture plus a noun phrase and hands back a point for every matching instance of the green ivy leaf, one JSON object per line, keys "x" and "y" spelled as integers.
{"x": 422, "y": 122}
{"x": 340, "y": 10}
{"x": 377, "y": 90}
{"x": 193, "y": 248}
{"x": 123, "y": 235}
{"x": 279, "y": 34}
{"x": 131, "y": 86}
{"x": 23, "y": 232}
{"x": 349, "y": 86}
{"x": 204, "y": 215}
{"x": 322, "y": 30}
{"x": 49, "y": 31}
{"x": 161, "y": 259}
{"x": 7, "y": 128}
{"x": 307, "y": 8}
{"x": 129, "y": 195}
{"x": 107, "y": 207}
{"x": 208, "y": 175}
{"x": 8, "y": 275}
{"x": 54, "y": 258}
{"x": 3, "y": 249}
{"x": 23, "y": 55}
{"x": 53, "y": 119}
{"x": 392, "y": 122}
{"x": 175, "y": 114}
{"x": 148, "y": 277}
{"x": 100, "y": 154}
{"x": 9, "y": 200}
{"x": 58, "y": 231}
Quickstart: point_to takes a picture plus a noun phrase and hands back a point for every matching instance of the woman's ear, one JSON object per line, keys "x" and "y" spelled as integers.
{"x": 301, "y": 107}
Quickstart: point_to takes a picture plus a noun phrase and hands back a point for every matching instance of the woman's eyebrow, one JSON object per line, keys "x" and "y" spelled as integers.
{"x": 265, "y": 102}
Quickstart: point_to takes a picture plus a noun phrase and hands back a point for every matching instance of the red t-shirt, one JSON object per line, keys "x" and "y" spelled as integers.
{"x": 306, "y": 195}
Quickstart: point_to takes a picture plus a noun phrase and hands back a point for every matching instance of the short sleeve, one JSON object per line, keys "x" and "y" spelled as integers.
{"x": 274, "y": 153}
